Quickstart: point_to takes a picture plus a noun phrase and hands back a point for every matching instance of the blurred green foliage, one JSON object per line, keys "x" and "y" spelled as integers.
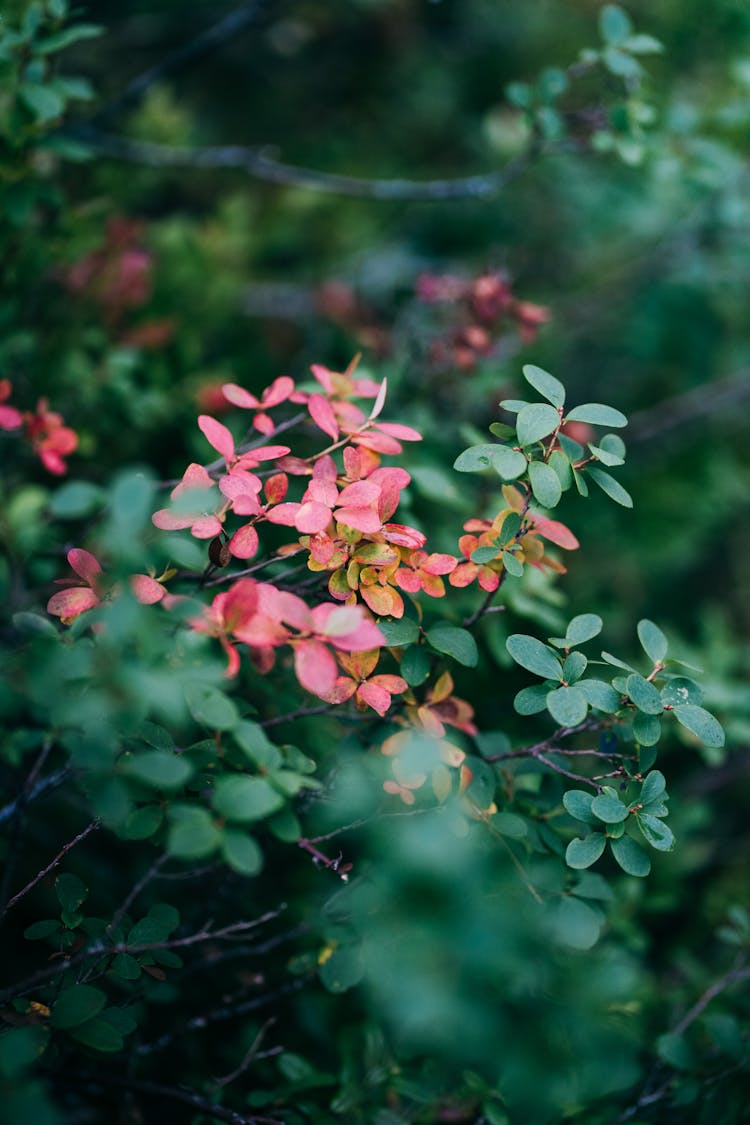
{"x": 462, "y": 972}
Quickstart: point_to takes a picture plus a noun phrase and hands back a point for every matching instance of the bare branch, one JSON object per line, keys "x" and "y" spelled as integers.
{"x": 51, "y": 781}
{"x": 172, "y": 1093}
{"x": 227, "y": 27}
{"x": 92, "y": 827}
{"x": 735, "y": 975}
{"x": 260, "y": 164}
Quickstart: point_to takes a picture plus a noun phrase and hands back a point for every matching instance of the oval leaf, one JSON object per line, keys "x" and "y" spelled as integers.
{"x": 631, "y": 857}
{"x": 578, "y": 803}
{"x": 455, "y": 642}
{"x": 545, "y": 484}
{"x": 508, "y": 463}
{"x": 567, "y": 706}
{"x": 645, "y": 696}
{"x": 547, "y": 385}
{"x": 701, "y": 723}
{"x": 653, "y": 641}
{"x": 536, "y": 657}
{"x": 609, "y": 809}
{"x": 611, "y": 487}
{"x": 580, "y": 854}
{"x": 597, "y": 414}
{"x": 536, "y": 421}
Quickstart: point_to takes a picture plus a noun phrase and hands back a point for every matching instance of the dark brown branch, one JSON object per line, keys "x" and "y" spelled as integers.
{"x": 250, "y": 1054}
{"x": 258, "y": 162}
{"x": 324, "y": 860}
{"x": 92, "y": 827}
{"x": 300, "y": 713}
{"x": 171, "y": 1093}
{"x": 735, "y": 975}
{"x": 227, "y": 27}
{"x": 691, "y": 406}
{"x": 51, "y": 781}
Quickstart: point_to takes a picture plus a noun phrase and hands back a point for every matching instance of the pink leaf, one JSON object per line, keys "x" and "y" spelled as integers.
{"x": 238, "y": 396}
{"x": 244, "y": 543}
{"x": 322, "y": 415}
{"x": 217, "y": 435}
{"x": 312, "y": 517}
{"x": 361, "y": 519}
{"x": 167, "y": 520}
{"x": 379, "y": 403}
{"x": 408, "y": 580}
{"x": 557, "y": 533}
{"x": 365, "y": 636}
{"x": 69, "y": 603}
{"x": 396, "y": 430}
{"x": 147, "y": 590}
{"x": 361, "y": 494}
{"x": 343, "y": 689}
{"x": 323, "y": 375}
{"x": 315, "y": 667}
{"x": 375, "y": 696}
{"x": 284, "y": 514}
{"x": 332, "y": 621}
{"x": 84, "y": 564}
{"x": 10, "y": 418}
{"x": 403, "y": 536}
{"x": 278, "y": 391}
{"x": 205, "y": 527}
{"x": 439, "y": 564}
{"x": 195, "y": 477}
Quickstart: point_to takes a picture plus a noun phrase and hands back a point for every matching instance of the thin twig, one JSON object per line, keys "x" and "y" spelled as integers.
{"x": 250, "y": 1054}
{"x": 227, "y": 27}
{"x": 92, "y": 827}
{"x": 300, "y": 713}
{"x": 172, "y": 1093}
{"x": 133, "y": 893}
{"x": 259, "y": 163}
{"x": 734, "y": 976}
{"x": 51, "y": 781}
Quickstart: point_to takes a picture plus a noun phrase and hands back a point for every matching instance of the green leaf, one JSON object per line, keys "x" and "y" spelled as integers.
{"x": 575, "y": 923}
{"x": 76, "y": 1005}
{"x": 476, "y": 458}
{"x": 245, "y": 798}
{"x": 611, "y": 459}
{"x": 547, "y": 385}
{"x": 509, "y": 824}
{"x": 545, "y": 484}
{"x": 70, "y": 891}
{"x": 484, "y": 555}
{"x": 560, "y": 465}
{"x": 631, "y": 857}
{"x": 597, "y": 415}
{"x": 33, "y": 625}
{"x": 609, "y": 809}
{"x": 343, "y": 969}
{"x": 600, "y": 695}
{"x": 681, "y": 690}
{"x": 658, "y": 834}
{"x": 161, "y": 921}
{"x": 536, "y": 657}
{"x": 415, "y": 666}
{"x": 211, "y": 707}
{"x": 675, "y": 1051}
{"x": 701, "y": 723}
{"x": 21, "y": 1048}
{"x": 192, "y": 833}
{"x": 642, "y": 45}
{"x": 158, "y": 768}
{"x": 45, "y": 928}
{"x": 643, "y": 693}
{"x": 76, "y": 500}
{"x": 69, "y": 35}
{"x": 508, "y": 463}
{"x": 611, "y": 487}
{"x": 513, "y": 405}
{"x": 574, "y": 666}
{"x": 646, "y": 729}
{"x": 654, "y": 785}
{"x": 624, "y": 66}
{"x": 580, "y": 482}
{"x": 44, "y": 102}
{"x": 531, "y": 700}
{"x": 535, "y": 422}
{"x": 567, "y": 706}
{"x": 256, "y": 745}
{"x": 125, "y": 967}
{"x": 510, "y": 528}
{"x": 572, "y": 450}
{"x": 399, "y": 633}
{"x": 580, "y": 854}
{"x": 617, "y": 663}
{"x": 100, "y": 1035}
{"x": 578, "y": 803}
{"x": 241, "y": 852}
{"x": 455, "y": 642}
{"x": 653, "y": 641}
{"x": 614, "y": 24}
{"x": 583, "y": 628}
{"x": 513, "y": 565}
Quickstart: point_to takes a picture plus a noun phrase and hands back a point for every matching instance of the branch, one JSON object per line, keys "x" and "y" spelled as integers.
{"x": 202, "y": 45}
{"x": 51, "y": 781}
{"x": 92, "y": 827}
{"x": 172, "y": 1093}
{"x": 689, "y": 407}
{"x": 258, "y": 163}
{"x": 736, "y": 974}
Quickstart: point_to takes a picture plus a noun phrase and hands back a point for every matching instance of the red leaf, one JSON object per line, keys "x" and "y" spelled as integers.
{"x": 217, "y": 435}
{"x": 315, "y": 667}
{"x": 69, "y": 603}
{"x": 147, "y": 590}
{"x": 244, "y": 543}
{"x": 322, "y": 415}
